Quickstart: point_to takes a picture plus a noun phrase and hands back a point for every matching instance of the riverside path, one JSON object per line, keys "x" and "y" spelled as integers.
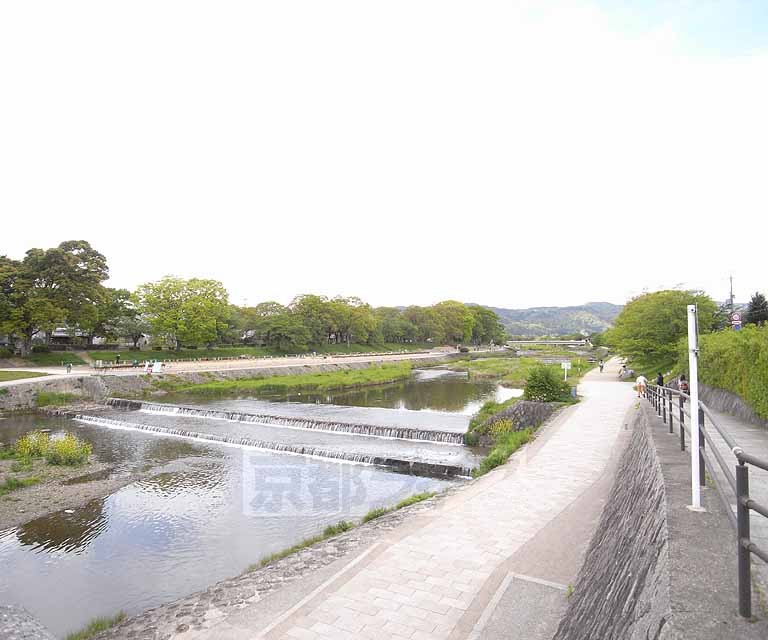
{"x": 491, "y": 560}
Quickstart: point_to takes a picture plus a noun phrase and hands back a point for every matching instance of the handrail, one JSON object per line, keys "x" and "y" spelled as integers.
{"x": 661, "y": 399}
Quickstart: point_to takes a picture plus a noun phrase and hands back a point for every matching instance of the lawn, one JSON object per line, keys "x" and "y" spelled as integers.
{"x": 258, "y": 352}
{"x": 513, "y": 372}
{"x": 6, "y": 376}
{"x": 54, "y": 359}
{"x": 318, "y": 382}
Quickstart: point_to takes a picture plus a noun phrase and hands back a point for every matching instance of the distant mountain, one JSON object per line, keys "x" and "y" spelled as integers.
{"x": 540, "y": 321}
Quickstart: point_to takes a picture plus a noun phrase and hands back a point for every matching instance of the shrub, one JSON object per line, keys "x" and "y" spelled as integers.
{"x": 471, "y": 439}
{"x": 5, "y": 353}
{"x": 374, "y": 513}
{"x": 69, "y": 450}
{"x": 544, "y": 385}
{"x": 501, "y": 427}
{"x": 50, "y": 398}
{"x": 736, "y": 361}
{"x": 336, "y": 529}
{"x": 32, "y": 445}
{"x": 505, "y": 447}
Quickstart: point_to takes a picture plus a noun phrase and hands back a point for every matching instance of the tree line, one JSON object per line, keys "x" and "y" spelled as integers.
{"x": 64, "y": 286}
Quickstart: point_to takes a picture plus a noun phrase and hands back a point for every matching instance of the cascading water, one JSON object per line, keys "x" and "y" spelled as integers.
{"x": 414, "y": 467}
{"x": 403, "y": 433}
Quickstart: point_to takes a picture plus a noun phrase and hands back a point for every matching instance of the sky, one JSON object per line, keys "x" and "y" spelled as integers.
{"x": 508, "y": 153}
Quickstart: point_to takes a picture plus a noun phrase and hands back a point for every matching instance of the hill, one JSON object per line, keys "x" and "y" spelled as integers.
{"x": 539, "y": 321}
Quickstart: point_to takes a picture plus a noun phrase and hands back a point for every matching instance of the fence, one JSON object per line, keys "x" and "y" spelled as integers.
{"x": 669, "y": 402}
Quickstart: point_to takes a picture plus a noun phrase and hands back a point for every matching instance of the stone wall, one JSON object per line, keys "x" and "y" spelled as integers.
{"x": 22, "y": 397}
{"x": 622, "y": 590}
{"x": 728, "y": 402}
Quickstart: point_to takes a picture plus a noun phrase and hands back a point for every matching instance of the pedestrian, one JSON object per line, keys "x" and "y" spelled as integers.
{"x": 69, "y": 367}
{"x": 117, "y": 359}
{"x": 642, "y": 383}
{"x": 660, "y": 380}
{"x": 601, "y": 364}
{"x": 683, "y": 385}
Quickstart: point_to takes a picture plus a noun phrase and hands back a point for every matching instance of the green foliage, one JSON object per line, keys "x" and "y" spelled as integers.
{"x": 32, "y": 445}
{"x": 736, "y": 361}
{"x": 13, "y": 484}
{"x": 53, "y": 399}
{"x": 757, "y": 312}
{"x": 97, "y": 625}
{"x": 489, "y": 409}
{"x": 54, "y": 359}
{"x": 5, "y": 376}
{"x": 336, "y": 529}
{"x": 374, "y": 513}
{"x": 68, "y": 451}
{"x": 319, "y": 382}
{"x": 545, "y": 385}
{"x": 5, "y": 353}
{"x": 651, "y": 325}
{"x": 184, "y": 312}
{"x": 507, "y": 444}
{"x": 416, "y": 497}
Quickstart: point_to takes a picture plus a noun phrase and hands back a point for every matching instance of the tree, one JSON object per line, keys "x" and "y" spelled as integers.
{"x": 649, "y": 328}
{"x": 316, "y": 315}
{"x": 456, "y": 321}
{"x": 757, "y": 311}
{"x": 184, "y": 312}
{"x": 487, "y": 327}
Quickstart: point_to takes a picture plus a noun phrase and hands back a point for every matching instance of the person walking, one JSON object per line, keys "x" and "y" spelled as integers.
{"x": 601, "y": 364}
{"x": 660, "y": 379}
{"x": 642, "y": 385}
{"x": 683, "y": 385}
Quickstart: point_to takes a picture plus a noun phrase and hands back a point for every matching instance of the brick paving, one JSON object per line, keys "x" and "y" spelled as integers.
{"x": 434, "y": 579}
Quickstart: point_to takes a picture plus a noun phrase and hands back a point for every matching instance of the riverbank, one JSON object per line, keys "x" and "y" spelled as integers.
{"x": 308, "y": 382}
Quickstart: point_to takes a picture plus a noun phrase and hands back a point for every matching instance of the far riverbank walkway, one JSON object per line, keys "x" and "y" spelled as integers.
{"x": 491, "y": 560}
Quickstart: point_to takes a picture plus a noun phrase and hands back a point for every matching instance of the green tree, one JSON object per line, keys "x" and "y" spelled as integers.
{"x": 316, "y": 316}
{"x": 757, "y": 311}
{"x": 487, "y": 327}
{"x": 456, "y": 321}
{"x": 184, "y": 312}
{"x": 649, "y": 328}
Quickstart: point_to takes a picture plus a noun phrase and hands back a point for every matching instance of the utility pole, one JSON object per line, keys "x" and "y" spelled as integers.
{"x": 731, "y": 294}
{"x": 693, "y": 382}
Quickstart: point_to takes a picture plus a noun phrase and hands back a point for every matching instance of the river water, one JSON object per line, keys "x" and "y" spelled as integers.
{"x": 211, "y": 509}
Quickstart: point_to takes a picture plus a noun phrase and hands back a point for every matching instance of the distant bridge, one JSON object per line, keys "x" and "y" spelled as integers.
{"x": 559, "y": 343}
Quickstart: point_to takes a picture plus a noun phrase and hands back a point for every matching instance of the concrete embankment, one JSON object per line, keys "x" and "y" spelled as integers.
{"x": 654, "y": 568}
{"x": 21, "y": 397}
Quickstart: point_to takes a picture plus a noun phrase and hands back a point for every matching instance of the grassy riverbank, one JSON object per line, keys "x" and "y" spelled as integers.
{"x": 254, "y": 352}
{"x": 7, "y": 376}
{"x": 307, "y": 382}
{"x": 339, "y": 528}
{"x": 513, "y": 372}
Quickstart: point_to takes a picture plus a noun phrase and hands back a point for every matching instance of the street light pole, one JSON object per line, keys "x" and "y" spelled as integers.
{"x": 693, "y": 368}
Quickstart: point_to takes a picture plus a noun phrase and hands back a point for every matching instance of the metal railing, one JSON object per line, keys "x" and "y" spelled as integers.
{"x": 668, "y": 402}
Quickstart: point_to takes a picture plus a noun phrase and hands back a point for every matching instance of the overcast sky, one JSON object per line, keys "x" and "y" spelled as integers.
{"x": 507, "y": 153}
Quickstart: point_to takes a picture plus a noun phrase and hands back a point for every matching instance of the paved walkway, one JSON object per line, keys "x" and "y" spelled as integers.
{"x": 483, "y": 561}
{"x": 754, "y": 440}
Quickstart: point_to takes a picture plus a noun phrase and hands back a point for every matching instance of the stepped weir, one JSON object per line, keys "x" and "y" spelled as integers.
{"x": 413, "y": 467}
{"x": 377, "y": 431}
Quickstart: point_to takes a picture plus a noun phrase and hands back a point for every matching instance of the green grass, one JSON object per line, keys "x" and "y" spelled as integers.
{"x": 6, "y": 376}
{"x": 257, "y": 352}
{"x": 506, "y": 445}
{"x": 53, "y": 399}
{"x": 318, "y": 382}
{"x": 338, "y": 528}
{"x": 513, "y": 372}
{"x": 97, "y": 625}
{"x": 54, "y": 359}
{"x": 13, "y": 484}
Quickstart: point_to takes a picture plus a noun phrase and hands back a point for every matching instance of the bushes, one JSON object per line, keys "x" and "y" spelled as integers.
{"x": 506, "y": 445}
{"x": 736, "y": 361}
{"x": 545, "y": 385}
{"x": 5, "y": 353}
{"x": 32, "y": 445}
{"x": 69, "y": 450}
{"x": 50, "y": 398}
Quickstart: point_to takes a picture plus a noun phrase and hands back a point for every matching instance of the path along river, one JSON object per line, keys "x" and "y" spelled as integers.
{"x": 211, "y": 508}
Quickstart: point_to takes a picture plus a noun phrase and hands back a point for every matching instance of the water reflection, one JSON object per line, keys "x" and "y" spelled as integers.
{"x": 69, "y": 531}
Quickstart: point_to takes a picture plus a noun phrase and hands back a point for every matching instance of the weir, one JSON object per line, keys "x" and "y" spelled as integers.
{"x": 413, "y": 467}
{"x": 377, "y": 431}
